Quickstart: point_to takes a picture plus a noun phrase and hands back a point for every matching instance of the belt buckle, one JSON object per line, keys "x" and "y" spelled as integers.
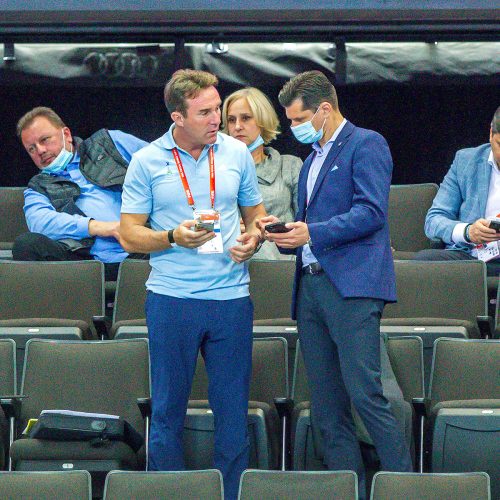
{"x": 314, "y": 268}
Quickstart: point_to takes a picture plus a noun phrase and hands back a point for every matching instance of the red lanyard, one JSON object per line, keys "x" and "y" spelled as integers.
{"x": 185, "y": 183}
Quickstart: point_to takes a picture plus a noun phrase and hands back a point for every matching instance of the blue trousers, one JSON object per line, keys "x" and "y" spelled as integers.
{"x": 340, "y": 342}
{"x": 222, "y": 330}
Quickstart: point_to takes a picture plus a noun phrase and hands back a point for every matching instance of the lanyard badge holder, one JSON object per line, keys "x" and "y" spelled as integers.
{"x": 205, "y": 219}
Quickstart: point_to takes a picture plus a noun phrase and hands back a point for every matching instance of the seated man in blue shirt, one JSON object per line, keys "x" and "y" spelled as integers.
{"x": 467, "y": 201}
{"x": 72, "y": 206}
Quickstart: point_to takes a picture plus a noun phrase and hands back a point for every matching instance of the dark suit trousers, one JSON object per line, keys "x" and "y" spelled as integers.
{"x": 341, "y": 346}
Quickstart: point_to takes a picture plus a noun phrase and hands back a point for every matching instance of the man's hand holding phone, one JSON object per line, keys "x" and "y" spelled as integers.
{"x": 285, "y": 235}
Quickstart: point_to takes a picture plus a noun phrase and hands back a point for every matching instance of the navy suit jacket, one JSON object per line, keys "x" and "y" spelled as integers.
{"x": 347, "y": 216}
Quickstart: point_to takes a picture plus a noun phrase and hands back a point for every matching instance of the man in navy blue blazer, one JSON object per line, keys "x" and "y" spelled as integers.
{"x": 344, "y": 274}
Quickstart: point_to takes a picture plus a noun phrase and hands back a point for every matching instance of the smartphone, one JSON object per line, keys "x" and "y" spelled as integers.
{"x": 495, "y": 224}
{"x": 208, "y": 225}
{"x": 277, "y": 227}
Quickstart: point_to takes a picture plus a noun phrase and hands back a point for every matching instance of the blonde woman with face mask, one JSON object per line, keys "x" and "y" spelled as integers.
{"x": 249, "y": 116}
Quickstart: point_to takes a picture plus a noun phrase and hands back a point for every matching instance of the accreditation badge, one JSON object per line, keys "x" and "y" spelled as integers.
{"x": 488, "y": 251}
{"x": 209, "y": 220}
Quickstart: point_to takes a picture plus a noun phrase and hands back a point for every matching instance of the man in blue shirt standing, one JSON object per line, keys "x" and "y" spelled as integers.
{"x": 198, "y": 297}
{"x": 72, "y": 206}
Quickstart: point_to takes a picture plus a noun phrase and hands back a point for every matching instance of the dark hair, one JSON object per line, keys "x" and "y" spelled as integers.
{"x": 312, "y": 87}
{"x": 186, "y": 84}
{"x": 495, "y": 123}
{"x": 28, "y": 118}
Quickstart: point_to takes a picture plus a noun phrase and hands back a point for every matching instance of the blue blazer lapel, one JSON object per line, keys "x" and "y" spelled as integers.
{"x": 332, "y": 156}
{"x": 302, "y": 187}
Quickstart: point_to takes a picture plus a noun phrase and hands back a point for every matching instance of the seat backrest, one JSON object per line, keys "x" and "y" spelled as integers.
{"x": 408, "y": 206}
{"x": 7, "y": 367}
{"x": 464, "y": 369}
{"x": 269, "y": 372}
{"x": 443, "y": 289}
{"x": 12, "y": 215}
{"x": 413, "y": 486}
{"x": 406, "y": 357}
{"x": 300, "y": 385}
{"x": 131, "y": 290}
{"x": 271, "y": 283}
{"x": 179, "y": 485}
{"x": 74, "y": 484}
{"x": 99, "y": 377}
{"x": 66, "y": 290}
{"x": 297, "y": 485}
{"x": 497, "y": 308}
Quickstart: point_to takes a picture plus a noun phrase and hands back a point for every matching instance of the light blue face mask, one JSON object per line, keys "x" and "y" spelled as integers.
{"x": 255, "y": 144}
{"x": 306, "y": 133}
{"x": 59, "y": 163}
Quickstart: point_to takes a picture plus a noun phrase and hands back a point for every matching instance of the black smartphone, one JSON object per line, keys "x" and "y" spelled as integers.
{"x": 495, "y": 224}
{"x": 277, "y": 227}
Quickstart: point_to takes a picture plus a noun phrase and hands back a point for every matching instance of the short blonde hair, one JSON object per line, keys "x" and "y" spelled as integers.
{"x": 262, "y": 110}
{"x": 28, "y": 118}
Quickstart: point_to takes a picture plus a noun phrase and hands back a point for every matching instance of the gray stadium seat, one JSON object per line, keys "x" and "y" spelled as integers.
{"x": 179, "y": 485}
{"x": 408, "y": 206}
{"x": 271, "y": 288}
{"x": 294, "y": 485}
{"x": 463, "y": 429}
{"x": 99, "y": 377}
{"x": 392, "y": 485}
{"x": 8, "y": 387}
{"x": 444, "y": 289}
{"x": 131, "y": 290}
{"x": 57, "y": 290}
{"x": 74, "y": 485}
{"x": 12, "y": 217}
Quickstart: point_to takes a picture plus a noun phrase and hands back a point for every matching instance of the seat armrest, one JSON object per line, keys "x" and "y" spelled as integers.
{"x": 102, "y": 326}
{"x": 284, "y": 406}
{"x": 144, "y": 405}
{"x": 420, "y": 406}
{"x": 486, "y": 326}
{"x": 11, "y": 405}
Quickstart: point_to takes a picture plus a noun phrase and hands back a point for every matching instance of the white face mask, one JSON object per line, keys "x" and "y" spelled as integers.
{"x": 306, "y": 133}
{"x": 60, "y": 162}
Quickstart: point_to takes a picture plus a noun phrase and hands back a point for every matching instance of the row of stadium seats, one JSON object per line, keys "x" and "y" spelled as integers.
{"x": 254, "y": 485}
{"x": 408, "y": 205}
{"x": 434, "y": 299}
{"x": 110, "y": 376}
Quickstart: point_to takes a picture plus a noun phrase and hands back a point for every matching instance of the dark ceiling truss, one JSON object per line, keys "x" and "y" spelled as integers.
{"x": 250, "y": 26}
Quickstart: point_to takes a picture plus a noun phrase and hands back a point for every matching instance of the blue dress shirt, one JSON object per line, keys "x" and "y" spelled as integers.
{"x": 97, "y": 203}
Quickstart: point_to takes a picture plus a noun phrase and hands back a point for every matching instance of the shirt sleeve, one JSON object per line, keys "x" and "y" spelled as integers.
{"x": 248, "y": 194}
{"x": 126, "y": 144}
{"x": 42, "y": 217}
{"x": 137, "y": 197}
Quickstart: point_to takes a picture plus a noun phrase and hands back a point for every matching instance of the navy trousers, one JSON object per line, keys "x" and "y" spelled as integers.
{"x": 222, "y": 330}
{"x": 340, "y": 342}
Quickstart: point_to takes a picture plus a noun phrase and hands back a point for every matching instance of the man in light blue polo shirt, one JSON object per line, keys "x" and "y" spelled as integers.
{"x": 198, "y": 296}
